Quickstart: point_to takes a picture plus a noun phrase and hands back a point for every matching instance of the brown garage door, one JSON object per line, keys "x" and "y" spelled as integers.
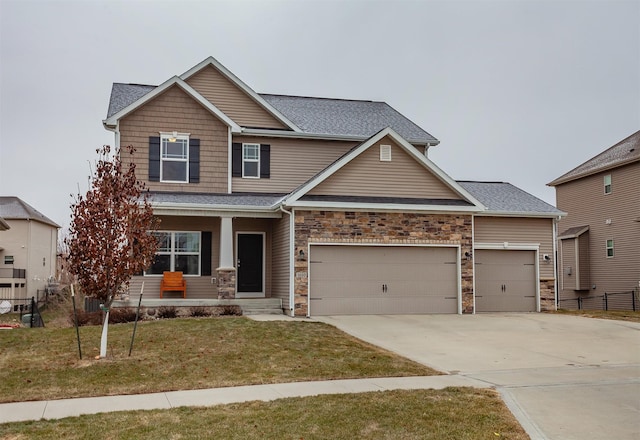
{"x": 372, "y": 280}
{"x": 505, "y": 281}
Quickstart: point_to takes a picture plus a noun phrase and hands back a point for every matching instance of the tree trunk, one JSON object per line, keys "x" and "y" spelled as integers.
{"x": 103, "y": 339}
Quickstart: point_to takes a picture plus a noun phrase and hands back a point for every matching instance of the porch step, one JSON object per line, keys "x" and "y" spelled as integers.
{"x": 266, "y": 306}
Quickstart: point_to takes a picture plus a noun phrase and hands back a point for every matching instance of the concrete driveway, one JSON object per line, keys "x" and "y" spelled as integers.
{"x": 563, "y": 377}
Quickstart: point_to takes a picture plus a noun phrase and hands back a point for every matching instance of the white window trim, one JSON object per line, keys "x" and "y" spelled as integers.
{"x": 609, "y": 184}
{"x": 180, "y": 136}
{"x": 613, "y": 252}
{"x": 251, "y": 160}
{"x": 172, "y": 253}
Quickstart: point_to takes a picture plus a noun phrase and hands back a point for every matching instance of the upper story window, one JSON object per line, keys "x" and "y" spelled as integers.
{"x": 250, "y": 160}
{"x": 607, "y": 184}
{"x": 609, "y": 248}
{"x": 174, "y": 158}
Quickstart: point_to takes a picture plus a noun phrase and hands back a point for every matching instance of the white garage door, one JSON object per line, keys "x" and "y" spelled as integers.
{"x": 372, "y": 280}
{"x": 505, "y": 281}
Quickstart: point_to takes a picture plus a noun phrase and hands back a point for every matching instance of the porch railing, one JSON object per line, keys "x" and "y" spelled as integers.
{"x": 9, "y": 272}
{"x": 609, "y": 301}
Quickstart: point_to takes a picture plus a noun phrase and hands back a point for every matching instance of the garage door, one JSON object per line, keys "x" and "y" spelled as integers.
{"x": 356, "y": 280}
{"x": 505, "y": 281}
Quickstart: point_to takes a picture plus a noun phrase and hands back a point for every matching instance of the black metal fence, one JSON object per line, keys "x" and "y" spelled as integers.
{"x": 609, "y": 301}
{"x": 29, "y": 311}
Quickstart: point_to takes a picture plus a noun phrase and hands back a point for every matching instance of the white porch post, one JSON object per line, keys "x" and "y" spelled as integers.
{"x": 226, "y": 243}
{"x": 227, "y": 270}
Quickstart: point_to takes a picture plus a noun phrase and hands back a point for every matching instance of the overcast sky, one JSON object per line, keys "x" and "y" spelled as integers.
{"x": 516, "y": 91}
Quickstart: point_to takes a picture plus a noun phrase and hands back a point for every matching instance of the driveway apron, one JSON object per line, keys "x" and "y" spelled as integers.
{"x": 563, "y": 377}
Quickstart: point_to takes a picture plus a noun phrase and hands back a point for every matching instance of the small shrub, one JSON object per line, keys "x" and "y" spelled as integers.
{"x": 86, "y": 318}
{"x": 229, "y": 310}
{"x": 167, "y": 312}
{"x": 199, "y": 311}
{"x": 122, "y": 315}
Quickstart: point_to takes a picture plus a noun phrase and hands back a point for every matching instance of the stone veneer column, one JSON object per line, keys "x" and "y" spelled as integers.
{"x": 227, "y": 271}
{"x": 226, "y": 282}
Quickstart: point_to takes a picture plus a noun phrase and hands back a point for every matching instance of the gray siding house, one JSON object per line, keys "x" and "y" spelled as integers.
{"x": 325, "y": 206}
{"x": 598, "y": 240}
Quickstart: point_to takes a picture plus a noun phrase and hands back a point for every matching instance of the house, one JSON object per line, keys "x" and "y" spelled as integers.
{"x": 329, "y": 206}
{"x": 599, "y": 238}
{"x": 28, "y": 244}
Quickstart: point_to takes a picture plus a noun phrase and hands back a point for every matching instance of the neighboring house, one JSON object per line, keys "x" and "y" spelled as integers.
{"x": 600, "y": 237}
{"x": 329, "y": 205}
{"x": 27, "y": 249}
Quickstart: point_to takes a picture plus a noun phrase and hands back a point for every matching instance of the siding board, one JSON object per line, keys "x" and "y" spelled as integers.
{"x": 280, "y": 261}
{"x": 367, "y": 175}
{"x": 174, "y": 110}
{"x": 233, "y": 102}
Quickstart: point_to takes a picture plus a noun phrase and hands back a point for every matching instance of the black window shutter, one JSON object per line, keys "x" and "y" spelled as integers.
{"x": 154, "y": 158}
{"x": 265, "y": 161}
{"x": 205, "y": 254}
{"x": 194, "y": 160}
{"x": 236, "y": 159}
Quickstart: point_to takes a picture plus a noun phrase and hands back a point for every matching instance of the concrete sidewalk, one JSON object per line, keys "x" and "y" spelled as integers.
{"x": 57, "y": 409}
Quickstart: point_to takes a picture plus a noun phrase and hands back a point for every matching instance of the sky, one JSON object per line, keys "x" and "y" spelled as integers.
{"x": 516, "y": 91}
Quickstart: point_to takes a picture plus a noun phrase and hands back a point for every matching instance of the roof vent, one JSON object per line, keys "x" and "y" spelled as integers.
{"x": 385, "y": 153}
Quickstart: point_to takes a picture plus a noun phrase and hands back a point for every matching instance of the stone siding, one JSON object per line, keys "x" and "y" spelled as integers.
{"x": 547, "y": 294}
{"x": 381, "y": 228}
{"x": 226, "y": 283}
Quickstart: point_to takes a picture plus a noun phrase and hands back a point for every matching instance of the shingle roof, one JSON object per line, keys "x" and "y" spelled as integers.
{"x": 502, "y": 197}
{"x": 625, "y": 151}
{"x": 12, "y": 208}
{"x": 124, "y": 94}
{"x": 573, "y": 232}
{"x": 241, "y": 200}
{"x": 346, "y": 117}
{"x": 322, "y": 116}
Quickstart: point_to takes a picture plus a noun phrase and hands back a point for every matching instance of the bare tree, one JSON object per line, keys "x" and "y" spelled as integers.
{"x": 110, "y": 236}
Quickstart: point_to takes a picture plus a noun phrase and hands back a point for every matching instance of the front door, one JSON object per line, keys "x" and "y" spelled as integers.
{"x": 250, "y": 264}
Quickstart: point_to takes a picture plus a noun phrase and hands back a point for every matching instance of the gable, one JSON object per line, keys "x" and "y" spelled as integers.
{"x": 233, "y": 101}
{"x": 403, "y": 176}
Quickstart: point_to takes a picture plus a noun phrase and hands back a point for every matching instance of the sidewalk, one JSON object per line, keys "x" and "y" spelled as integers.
{"x": 57, "y": 409}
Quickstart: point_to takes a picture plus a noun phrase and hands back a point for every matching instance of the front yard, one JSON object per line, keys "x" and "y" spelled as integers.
{"x": 182, "y": 354}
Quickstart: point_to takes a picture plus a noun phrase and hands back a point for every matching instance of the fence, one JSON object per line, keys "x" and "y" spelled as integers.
{"x": 30, "y": 315}
{"x": 609, "y": 301}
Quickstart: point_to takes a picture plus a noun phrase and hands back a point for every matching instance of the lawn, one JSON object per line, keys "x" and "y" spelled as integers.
{"x": 620, "y": 315}
{"x": 450, "y": 414}
{"x": 181, "y": 354}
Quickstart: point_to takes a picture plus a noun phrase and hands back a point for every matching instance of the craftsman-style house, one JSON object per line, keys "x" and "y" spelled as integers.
{"x": 328, "y": 206}
{"x": 599, "y": 239}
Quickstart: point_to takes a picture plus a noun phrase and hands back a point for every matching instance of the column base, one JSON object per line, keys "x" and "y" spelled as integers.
{"x": 226, "y": 282}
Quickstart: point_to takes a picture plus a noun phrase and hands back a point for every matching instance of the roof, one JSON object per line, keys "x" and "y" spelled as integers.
{"x": 314, "y": 116}
{"x": 240, "y": 200}
{"x": 574, "y": 232}
{"x": 506, "y": 199}
{"x": 346, "y": 117}
{"x": 622, "y": 153}
{"x": 12, "y": 208}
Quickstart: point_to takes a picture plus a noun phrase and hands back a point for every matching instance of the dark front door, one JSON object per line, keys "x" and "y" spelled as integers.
{"x": 250, "y": 262}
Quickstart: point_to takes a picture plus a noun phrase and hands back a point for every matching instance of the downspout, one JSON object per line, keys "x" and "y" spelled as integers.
{"x": 291, "y": 259}
{"x": 556, "y": 281}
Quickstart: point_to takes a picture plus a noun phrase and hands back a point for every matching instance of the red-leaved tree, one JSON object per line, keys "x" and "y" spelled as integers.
{"x": 110, "y": 236}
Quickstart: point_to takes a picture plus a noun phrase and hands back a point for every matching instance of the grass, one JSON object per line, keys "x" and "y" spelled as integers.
{"x": 182, "y": 354}
{"x": 453, "y": 413}
{"x": 620, "y": 315}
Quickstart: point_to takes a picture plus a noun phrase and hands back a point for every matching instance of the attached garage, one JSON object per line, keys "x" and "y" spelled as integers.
{"x": 505, "y": 280}
{"x": 371, "y": 280}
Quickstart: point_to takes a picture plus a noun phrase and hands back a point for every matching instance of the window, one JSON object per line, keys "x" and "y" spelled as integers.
{"x": 607, "y": 184}
{"x": 250, "y": 160}
{"x": 174, "y": 158}
{"x": 8, "y": 259}
{"x": 177, "y": 251}
{"x": 609, "y": 248}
